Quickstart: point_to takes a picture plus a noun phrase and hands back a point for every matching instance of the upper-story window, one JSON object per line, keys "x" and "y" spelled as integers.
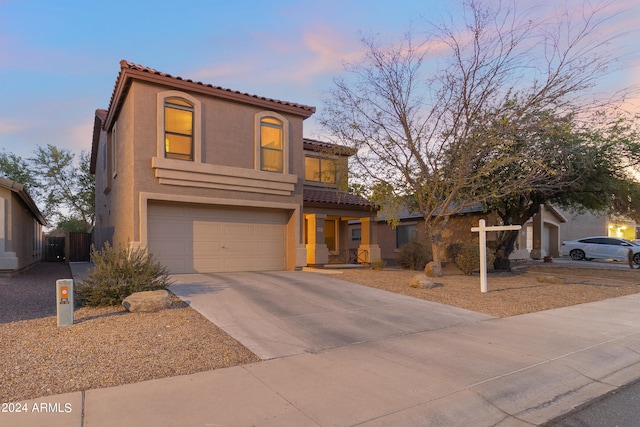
{"x": 178, "y": 129}
{"x": 271, "y": 145}
{"x": 271, "y": 142}
{"x": 319, "y": 170}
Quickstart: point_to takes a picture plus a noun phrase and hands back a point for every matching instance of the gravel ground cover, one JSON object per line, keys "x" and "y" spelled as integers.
{"x": 109, "y": 346}
{"x": 105, "y": 346}
{"x": 513, "y": 293}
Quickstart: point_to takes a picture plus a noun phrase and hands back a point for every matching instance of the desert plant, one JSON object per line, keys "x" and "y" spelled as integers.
{"x": 452, "y": 250}
{"x": 119, "y": 273}
{"x": 468, "y": 258}
{"x": 414, "y": 256}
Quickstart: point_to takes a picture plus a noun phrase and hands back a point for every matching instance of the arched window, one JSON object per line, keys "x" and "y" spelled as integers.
{"x": 271, "y": 145}
{"x": 178, "y": 129}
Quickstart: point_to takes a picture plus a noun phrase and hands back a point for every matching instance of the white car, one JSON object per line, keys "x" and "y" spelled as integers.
{"x": 601, "y": 247}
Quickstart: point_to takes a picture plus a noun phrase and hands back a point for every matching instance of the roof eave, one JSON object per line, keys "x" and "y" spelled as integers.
{"x": 127, "y": 75}
{"x": 21, "y": 191}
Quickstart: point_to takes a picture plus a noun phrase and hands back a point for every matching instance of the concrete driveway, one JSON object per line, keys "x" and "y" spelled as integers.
{"x": 278, "y": 314}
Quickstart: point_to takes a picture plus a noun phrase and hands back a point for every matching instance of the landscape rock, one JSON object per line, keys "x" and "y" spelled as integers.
{"x": 421, "y": 281}
{"x": 147, "y": 301}
{"x": 551, "y": 280}
{"x": 428, "y": 269}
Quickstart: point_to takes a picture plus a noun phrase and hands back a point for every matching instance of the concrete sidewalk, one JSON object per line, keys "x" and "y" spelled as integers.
{"x": 518, "y": 371}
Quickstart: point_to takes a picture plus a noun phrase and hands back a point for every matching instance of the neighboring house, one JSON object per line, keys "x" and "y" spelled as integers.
{"x": 411, "y": 227}
{"x": 540, "y": 236}
{"x": 20, "y": 228}
{"x": 587, "y": 224}
{"x": 544, "y": 233}
{"x": 212, "y": 180}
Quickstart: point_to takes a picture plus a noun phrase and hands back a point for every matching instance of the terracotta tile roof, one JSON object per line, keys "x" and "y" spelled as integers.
{"x": 101, "y": 114}
{"x": 335, "y": 197}
{"x": 130, "y": 69}
{"x": 327, "y": 147}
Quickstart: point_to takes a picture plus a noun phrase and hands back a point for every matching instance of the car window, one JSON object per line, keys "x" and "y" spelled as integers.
{"x": 588, "y": 241}
{"x": 615, "y": 242}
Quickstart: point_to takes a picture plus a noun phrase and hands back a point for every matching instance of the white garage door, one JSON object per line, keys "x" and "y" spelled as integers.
{"x": 198, "y": 238}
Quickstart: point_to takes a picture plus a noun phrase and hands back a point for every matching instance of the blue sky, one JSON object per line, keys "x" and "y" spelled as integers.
{"x": 59, "y": 59}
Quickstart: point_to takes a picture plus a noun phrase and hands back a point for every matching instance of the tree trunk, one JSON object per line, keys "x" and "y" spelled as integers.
{"x": 436, "y": 238}
{"x": 437, "y": 259}
{"x": 504, "y": 249}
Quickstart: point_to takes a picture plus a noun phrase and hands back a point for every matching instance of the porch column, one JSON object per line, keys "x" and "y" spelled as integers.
{"x": 538, "y": 226}
{"x": 317, "y": 251}
{"x": 369, "y": 251}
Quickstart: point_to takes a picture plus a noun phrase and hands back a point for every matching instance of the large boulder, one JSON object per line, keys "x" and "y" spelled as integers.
{"x": 429, "y": 269}
{"x": 147, "y": 301}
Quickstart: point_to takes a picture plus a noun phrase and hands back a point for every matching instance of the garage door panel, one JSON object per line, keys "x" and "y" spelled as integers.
{"x": 265, "y": 263}
{"x": 207, "y": 265}
{"x": 269, "y": 232}
{"x": 239, "y": 248}
{"x": 175, "y": 264}
{"x": 206, "y": 249}
{"x": 167, "y": 228}
{"x": 239, "y": 231}
{"x": 206, "y": 230}
{"x": 191, "y": 238}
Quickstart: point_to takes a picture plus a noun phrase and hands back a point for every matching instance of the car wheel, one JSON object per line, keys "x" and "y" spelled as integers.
{"x": 577, "y": 254}
{"x": 636, "y": 258}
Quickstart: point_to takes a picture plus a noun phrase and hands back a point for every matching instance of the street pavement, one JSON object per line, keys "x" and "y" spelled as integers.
{"x": 341, "y": 354}
{"x": 620, "y": 408}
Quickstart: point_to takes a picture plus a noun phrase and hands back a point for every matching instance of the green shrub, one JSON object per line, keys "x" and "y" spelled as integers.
{"x": 414, "y": 256}
{"x": 119, "y": 273}
{"x": 452, "y": 250}
{"x": 468, "y": 258}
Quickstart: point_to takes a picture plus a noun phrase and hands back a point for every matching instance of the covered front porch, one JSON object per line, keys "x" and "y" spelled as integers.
{"x": 327, "y": 235}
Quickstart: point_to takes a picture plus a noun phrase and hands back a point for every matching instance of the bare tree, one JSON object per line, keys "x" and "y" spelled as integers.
{"x": 434, "y": 142}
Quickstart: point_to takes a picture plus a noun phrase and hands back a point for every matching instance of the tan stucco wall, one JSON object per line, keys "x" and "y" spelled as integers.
{"x": 22, "y": 232}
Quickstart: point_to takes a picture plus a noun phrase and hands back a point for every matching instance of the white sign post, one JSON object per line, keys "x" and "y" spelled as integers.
{"x": 482, "y": 229}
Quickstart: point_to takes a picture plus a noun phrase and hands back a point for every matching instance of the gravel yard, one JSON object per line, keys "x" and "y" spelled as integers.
{"x": 105, "y": 346}
{"x": 108, "y": 346}
{"x": 514, "y": 293}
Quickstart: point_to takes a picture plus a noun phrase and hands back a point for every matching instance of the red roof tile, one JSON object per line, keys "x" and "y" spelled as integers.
{"x": 335, "y": 197}
{"x": 327, "y": 147}
{"x": 127, "y": 67}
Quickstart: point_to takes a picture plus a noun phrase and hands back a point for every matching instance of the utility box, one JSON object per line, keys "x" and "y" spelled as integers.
{"x": 64, "y": 301}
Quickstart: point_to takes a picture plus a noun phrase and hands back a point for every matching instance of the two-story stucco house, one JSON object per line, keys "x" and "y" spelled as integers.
{"x": 213, "y": 180}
